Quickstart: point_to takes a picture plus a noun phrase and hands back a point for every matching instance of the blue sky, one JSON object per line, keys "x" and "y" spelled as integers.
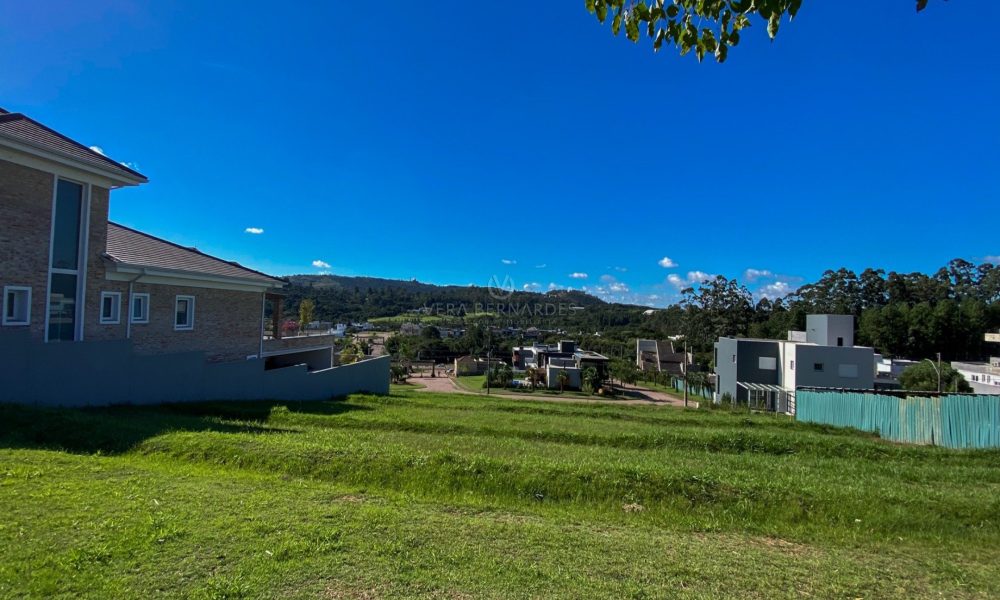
{"x": 451, "y": 142}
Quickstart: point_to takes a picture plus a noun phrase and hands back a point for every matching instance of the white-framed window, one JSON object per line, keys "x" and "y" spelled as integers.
{"x": 767, "y": 363}
{"x": 791, "y": 365}
{"x": 139, "y": 311}
{"x": 111, "y": 308}
{"x": 16, "y": 305}
{"x": 184, "y": 313}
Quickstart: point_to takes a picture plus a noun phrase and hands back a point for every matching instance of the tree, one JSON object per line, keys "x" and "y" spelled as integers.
{"x": 591, "y": 378}
{"x": 705, "y": 26}
{"x": 563, "y": 378}
{"x": 306, "y": 309}
{"x": 923, "y": 377}
{"x": 532, "y": 373}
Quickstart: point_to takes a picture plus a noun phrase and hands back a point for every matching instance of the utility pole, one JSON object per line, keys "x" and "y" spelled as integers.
{"x": 489, "y": 358}
{"x": 685, "y": 363}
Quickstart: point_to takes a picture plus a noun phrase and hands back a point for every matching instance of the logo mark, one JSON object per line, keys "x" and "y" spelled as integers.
{"x": 498, "y": 290}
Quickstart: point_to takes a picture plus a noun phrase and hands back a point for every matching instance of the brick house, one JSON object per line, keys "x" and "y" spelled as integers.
{"x": 69, "y": 275}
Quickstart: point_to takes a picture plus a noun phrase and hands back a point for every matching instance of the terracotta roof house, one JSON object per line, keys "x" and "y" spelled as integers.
{"x": 77, "y": 287}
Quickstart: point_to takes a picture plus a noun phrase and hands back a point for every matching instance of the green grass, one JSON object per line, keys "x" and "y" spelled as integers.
{"x": 421, "y": 494}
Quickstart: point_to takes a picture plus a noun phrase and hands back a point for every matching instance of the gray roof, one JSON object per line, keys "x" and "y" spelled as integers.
{"x": 135, "y": 248}
{"x": 28, "y": 131}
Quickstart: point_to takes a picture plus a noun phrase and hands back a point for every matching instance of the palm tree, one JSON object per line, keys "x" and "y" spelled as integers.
{"x": 563, "y": 379}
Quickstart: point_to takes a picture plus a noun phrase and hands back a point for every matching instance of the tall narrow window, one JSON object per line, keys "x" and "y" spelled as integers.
{"x": 184, "y": 313}
{"x": 64, "y": 270}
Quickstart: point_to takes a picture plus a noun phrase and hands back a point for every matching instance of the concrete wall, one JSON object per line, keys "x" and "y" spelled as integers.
{"x": 824, "y": 330}
{"x": 725, "y": 368}
{"x": 552, "y": 377}
{"x": 832, "y": 358}
{"x": 109, "y": 372}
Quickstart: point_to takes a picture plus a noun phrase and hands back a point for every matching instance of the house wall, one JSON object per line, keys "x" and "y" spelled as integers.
{"x": 725, "y": 368}
{"x": 824, "y": 330}
{"x": 748, "y": 365}
{"x": 102, "y": 373}
{"x": 832, "y": 357}
{"x": 26, "y": 215}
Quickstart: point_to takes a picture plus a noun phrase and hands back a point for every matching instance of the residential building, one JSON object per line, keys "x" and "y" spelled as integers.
{"x": 769, "y": 371}
{"x": 661, "y": 356}
{"x": 564, "y": 356}
{"x": 888, "y": 370}
{"x": 85, "y": 298}
{"x": 984, "y": 377}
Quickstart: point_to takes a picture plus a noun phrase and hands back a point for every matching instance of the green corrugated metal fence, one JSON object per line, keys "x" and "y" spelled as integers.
{"x": 953, "y": 421}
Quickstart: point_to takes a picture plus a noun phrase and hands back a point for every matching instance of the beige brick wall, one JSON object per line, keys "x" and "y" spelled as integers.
{"x": 226, "y": 323}
{"x": 25, "y": 227}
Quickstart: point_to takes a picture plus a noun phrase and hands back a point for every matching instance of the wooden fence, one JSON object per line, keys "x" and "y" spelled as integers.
{"x": 952, "y": 421}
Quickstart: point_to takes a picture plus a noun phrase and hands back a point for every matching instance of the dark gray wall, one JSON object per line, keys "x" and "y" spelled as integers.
{"x": 106, "y": 373}
{"x": 832, "y": 357}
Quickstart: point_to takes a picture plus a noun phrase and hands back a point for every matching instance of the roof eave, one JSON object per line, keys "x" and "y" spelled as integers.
{"x": 124, "y": 267}
{"x": 120, "y": 177}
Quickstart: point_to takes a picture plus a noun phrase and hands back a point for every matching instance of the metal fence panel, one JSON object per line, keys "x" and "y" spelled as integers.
{"x": 953, "y": 421}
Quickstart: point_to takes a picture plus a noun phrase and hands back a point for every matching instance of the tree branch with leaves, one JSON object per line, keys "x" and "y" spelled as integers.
{"x": 707, "y": 27}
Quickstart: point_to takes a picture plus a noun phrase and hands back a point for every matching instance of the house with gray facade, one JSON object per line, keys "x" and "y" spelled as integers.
{"x": 767, "y": 372}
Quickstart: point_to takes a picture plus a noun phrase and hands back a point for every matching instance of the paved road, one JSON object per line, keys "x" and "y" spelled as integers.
{"x": 639, "y": 395}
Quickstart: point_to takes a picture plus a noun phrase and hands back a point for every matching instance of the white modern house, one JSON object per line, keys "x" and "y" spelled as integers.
{"x": 984, "y": 377}
{"x": 767, "y": 372}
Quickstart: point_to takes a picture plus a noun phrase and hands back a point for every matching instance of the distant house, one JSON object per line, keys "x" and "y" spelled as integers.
{"x": 470, "y": 365}
{"x": 769, "y": 371}
{"x": 95, "y": 301}
{"x": 564, "y": 356}
{"x": 660, "y": 356}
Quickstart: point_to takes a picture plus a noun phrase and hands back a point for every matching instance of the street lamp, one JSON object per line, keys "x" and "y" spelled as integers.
{"x": 937, "y": 369}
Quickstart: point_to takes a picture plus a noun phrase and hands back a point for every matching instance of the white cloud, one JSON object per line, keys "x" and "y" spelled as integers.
{"x": 541, "y": 266}
{"x": 698, "y": 276}
{"x": 254, "y": 230}
{"x": 618, "y": 288}
{"x": 995, "y": 259}
{"x": 320, "y": 264}
{"x": 621, "y": 269}
{"x": 677, "y": 281}
{"x": 508, "y": 261}
{"x": 753, "y": 275}
{"x": 98, "y": 150}
{"x": 666, "y": 262}
{"x": 554, "y": 286}
{"x": 608, "y": 278}
{"x": 578, "y": 275}
{"x": 530, "y": 287}
{"x": 773, "y": 291}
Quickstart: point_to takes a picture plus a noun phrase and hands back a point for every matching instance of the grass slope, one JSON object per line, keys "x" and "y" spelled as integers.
{"x": 419, "y": 494}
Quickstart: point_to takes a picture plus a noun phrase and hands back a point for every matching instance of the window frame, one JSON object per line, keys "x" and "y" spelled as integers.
{"x": 80, "y": 272}
{"x": 131, "y": 309}
{"x": 7, "y": 289}
{"x": 819, "y": 367}
{"x": 189, "y": 326}
{"x": 116, "y": 305}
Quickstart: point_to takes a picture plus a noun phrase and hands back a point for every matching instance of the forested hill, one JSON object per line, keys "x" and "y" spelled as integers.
{"x": 340, "y": 298}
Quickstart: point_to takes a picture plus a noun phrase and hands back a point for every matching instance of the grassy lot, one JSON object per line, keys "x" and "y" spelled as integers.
{"x": 418, "y": 494}
{"x": 475, "y": 383}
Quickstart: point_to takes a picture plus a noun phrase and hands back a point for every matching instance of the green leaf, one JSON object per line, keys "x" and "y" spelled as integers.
{"x": 616, "y": 24}
{"x": 602, "y": 10}
{"x": 673, "y": 11}
{"x": 772, "y": 24}
{"x": 921, "y": 5}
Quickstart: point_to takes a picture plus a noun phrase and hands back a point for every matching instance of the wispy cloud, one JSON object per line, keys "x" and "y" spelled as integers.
{"x": 618, "y": 288}
{"x": 677, "y": 281}
{"x": 530, "y": 287}
{"x": 753, "y": 275}
{"x": 698, "y": 276}
{"x": 321, "y": 264}
{"x": 98, "y": 150}
{"x": 578, "y": 275}
{"x": 541, "y": 266}
{"x": 621, "y": 269}
{"x": 508, "y": 261}
{"x": 995, "y": 259}
{"x": 254, "y": 230}
{"x": 667, "y": 263}
{"x": 608, "y": 278}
